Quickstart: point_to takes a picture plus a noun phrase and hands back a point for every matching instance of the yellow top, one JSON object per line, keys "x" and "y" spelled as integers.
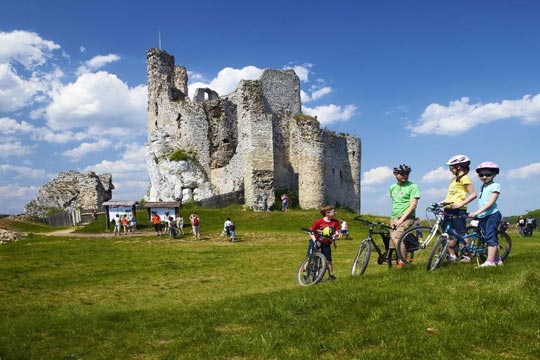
{"x": 457, "y": 191}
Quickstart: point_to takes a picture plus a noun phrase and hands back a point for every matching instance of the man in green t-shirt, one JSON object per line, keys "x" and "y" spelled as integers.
{"x": 404, "y": 195}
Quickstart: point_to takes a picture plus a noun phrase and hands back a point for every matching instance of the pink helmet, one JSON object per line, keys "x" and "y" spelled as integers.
{"x": 488, "y": 165}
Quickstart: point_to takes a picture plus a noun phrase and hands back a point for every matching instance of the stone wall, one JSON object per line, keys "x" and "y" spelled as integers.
{"x": 253, "y": 140}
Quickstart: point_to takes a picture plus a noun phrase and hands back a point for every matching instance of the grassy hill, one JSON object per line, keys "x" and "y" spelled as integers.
{"x": 148, "y": 297}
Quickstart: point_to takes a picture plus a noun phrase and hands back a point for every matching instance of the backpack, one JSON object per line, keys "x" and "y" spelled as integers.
{"x": 195, "y": 221}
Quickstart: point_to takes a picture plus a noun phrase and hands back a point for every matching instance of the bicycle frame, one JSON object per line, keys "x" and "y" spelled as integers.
{"x": 361, "y": 260}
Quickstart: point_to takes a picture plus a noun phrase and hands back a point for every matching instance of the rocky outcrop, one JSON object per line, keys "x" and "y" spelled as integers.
{"x": 72, "y": 190}
{"x": 254, "y": 140}
{"x": 7, "y": 236}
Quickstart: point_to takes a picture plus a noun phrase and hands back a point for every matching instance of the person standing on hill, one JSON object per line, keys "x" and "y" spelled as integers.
{"x": 323, "y": 231}
{"x": 404, "y": 195}
{"x": 488, "y": 213}
{"x": 195, "y": 223}
{"x": 156, "y": 221}
{"x": 460, "y": 193}
{"x": 180, "y": 224}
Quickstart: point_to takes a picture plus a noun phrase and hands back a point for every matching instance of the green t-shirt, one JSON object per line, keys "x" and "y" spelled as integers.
{"x": 401, "y": 195}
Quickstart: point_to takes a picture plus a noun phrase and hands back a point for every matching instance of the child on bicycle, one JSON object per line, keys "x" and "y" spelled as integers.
{"x": 488, "y": 213}
{"x": 460, "y": 193}
{"x": 323, "y": 231}
{"x": 404, "y": 195}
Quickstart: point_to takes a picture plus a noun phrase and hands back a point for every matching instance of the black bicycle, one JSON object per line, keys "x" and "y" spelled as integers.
{"x": 385, "y": 253}
{"x": 313, "y": 267}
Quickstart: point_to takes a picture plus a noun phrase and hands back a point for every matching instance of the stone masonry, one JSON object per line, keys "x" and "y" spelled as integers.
{"x": 252, "y": 140}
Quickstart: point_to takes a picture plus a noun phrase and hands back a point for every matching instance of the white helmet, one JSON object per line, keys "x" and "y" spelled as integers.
{"x": 459, "y": 160}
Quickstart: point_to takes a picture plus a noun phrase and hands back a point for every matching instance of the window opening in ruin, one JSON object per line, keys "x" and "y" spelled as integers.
{"x": 225, "y": 141}
{"x": 354, "y": 153}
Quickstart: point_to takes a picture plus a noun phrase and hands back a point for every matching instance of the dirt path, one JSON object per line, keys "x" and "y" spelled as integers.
{"x": 71, "y": 232}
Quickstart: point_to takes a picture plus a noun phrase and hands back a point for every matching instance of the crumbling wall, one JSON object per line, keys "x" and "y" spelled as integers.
{"x": 254, "y": 139}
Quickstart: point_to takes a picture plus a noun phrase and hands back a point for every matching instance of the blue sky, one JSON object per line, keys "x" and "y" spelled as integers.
{"x": 417, "y": 81}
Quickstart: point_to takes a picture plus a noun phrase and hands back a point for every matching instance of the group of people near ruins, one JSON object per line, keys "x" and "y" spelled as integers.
{"x": 405, "y": 195}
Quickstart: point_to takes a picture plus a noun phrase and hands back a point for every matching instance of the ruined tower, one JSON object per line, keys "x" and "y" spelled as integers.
{"x": 251, "y": 141}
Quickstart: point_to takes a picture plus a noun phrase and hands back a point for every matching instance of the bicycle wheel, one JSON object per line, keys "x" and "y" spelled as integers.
{"x": 415, "y": 240}
{"x": 505, "y": 246}
{"x": 361, "y": 260}
{"x": 438, "y": 254}
{"x": 311, "y": 270}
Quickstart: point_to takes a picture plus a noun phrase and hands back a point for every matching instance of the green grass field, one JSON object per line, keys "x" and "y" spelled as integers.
{"x": 148, "y": 297}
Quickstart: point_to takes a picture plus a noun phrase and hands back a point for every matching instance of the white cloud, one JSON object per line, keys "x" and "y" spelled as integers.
{"x": 432, "y": 194}
{"x": 101, "y": 103}
{"x": 130, "y": 177}
{"x": 15, "y": 92}
{"x": 316, "y": 93}
{"x": 524, "y": 172}
{"x": 439, "y": 174}
{"x": 327, "y": 114}
{"x": 460, "y": 116}
{"x": 10, "y": 126}
{"x": 26, "y": 48}
{"x": 228, "y": 79}
{"x": 12, "y": 197}
{"x": 97, "y": 62}
{"x": 14, "y": 149}
{"x": 25, "y": 171}
{"x": 86, "y": 148}
{"x": 377, "y": 175}
{"x": 302, "y": 71}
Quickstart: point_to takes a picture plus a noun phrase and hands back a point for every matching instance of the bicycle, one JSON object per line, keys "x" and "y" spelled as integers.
{"x": 313, "y": 267}
{"x": 475, "y": 247}
{"x": 361, "y": 260}
{"x": 418, "y": 238}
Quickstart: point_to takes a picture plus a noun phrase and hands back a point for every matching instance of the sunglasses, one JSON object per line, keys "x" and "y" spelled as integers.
{"x": 485, "y": 175}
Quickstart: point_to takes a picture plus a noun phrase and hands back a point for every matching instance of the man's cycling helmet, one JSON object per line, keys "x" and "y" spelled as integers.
{"x": 402, "y": 169}
{"x": 488, "y": 165}
{"x": 459, "y": 160}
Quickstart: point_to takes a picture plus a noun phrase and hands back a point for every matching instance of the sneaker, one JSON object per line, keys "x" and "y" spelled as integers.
{"x": 411, "y": 260}
{"x": 331, "y": 277}
{"x": 452, "y": 258}
{"x": 487, "y": 264}
{"x": 499, "y": 262}
{"x": 399, "y": 265}
{"x": 465, "y": 259}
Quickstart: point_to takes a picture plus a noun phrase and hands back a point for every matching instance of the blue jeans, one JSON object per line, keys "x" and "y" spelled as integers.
{"x": 489, "y": 226}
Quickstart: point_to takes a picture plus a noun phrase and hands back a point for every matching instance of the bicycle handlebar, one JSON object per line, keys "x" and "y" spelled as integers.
{"x": 371, "y": 223}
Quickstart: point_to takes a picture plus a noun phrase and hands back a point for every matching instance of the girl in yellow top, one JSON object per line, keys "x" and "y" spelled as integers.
{"x": 460, "y": 193}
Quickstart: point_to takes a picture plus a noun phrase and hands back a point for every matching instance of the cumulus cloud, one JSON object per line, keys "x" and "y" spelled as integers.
{"x": 14, "y": 149}
{"x": 228, "y": 79}
{"x": 377, "y": 175}
{"x": 130, "y": 179}
{"x": 328, "y": 114}
{"x": 433, "y": 194}
{"x": 460, "y": 116}
{"x": 86, "y": 148}
{"x": 10, "y": 126}
{"x": 100, "y": 102}
{"x": 15, "y": 92}
{"x": 25, "y": 172}
{"x": 26, "y": 48}
{"x": 13, "y": 195}
{"x": 302, "y": 71}
{"x": 97, "y": 62}
{"x": 316, "y": 93}
{"x": 524, "y": 172}
{"x": 439, "y": 174}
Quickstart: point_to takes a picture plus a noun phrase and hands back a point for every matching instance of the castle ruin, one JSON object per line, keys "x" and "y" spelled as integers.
{"x": 251, "y": 141}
